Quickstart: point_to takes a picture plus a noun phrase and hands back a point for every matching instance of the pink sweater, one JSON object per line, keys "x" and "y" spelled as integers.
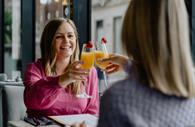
{"x": 43, "y": 95}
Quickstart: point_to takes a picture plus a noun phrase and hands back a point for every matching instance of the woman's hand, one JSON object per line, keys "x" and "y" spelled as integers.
{"x": 73, "y": 73}
{"x": 116, "y": 63}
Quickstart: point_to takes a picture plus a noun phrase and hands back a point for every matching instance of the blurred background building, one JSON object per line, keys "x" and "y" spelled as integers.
{"x": 107, "y": 16}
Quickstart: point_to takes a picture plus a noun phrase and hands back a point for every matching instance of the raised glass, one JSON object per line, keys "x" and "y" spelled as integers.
{"x": 88, "y": 58}
{"x": 101, "y": 52}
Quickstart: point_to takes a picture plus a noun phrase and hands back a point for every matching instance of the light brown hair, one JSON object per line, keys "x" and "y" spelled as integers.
{"x": 48, "y": 56}
{"x": 156, "y": 34}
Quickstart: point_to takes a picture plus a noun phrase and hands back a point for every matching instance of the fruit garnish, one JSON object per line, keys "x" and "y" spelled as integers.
{"x": 104, "y": 40}
{"x": 89, "y": 44}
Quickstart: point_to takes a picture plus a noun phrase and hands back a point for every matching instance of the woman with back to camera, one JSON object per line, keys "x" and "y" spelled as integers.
{"x": 160, "y": 88}
{"x": 52, "y": 82}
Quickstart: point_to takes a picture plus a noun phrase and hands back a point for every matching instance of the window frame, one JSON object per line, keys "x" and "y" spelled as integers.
{"x": 1, "y": 36}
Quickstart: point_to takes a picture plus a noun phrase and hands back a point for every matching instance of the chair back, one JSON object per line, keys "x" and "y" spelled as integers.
{"x": 12, "y": 103}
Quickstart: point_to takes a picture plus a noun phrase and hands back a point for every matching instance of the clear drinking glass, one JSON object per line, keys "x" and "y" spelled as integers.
{"x": 101, "y": 52}
{"x": 88, "y": 58}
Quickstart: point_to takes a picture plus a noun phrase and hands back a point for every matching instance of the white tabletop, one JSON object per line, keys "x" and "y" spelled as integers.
{"x": 68, "y": 120}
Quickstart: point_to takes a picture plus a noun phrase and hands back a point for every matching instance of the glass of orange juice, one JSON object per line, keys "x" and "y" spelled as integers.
{"x": 101, "y": 52}
{"x": 88, "y": 58}
{"x": 99, "y": 55}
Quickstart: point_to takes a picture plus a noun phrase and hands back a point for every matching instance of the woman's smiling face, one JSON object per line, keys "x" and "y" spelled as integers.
{"x": 65, "y": 41}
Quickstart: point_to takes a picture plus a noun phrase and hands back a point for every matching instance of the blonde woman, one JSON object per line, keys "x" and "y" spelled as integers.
{"x": 52, "y": 82}
{"x": 160, "y": 88}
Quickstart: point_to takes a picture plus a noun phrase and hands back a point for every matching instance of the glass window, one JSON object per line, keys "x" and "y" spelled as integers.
{"x": 117, "y": 35}
{"x": 12, "y": 38}
{"x": 99, "y": 30}
{"x": 107, "y": 17}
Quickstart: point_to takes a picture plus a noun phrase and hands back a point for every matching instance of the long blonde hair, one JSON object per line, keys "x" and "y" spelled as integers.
{"x": 156, "y": 34}
{"x": 48, "y": 53}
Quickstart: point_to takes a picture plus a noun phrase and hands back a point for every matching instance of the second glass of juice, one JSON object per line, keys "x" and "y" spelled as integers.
{"x": 99, "y": 55}
{"x": 101, "y": 52}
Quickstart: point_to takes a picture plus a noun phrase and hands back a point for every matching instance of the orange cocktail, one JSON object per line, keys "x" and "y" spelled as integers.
{"x": 100, "y": 55}
{"x": 88, "y": 60}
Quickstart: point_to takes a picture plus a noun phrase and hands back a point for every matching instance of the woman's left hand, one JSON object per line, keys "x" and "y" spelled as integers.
{"x": 116, "y": 63}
